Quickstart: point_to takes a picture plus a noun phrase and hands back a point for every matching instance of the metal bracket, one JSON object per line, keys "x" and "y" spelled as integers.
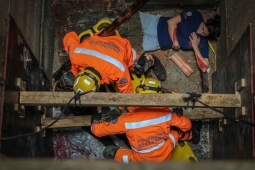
{"x": 240, "y": 85}
{"x": 222, "y": 122}
{"x": 43, "y": 133}
{"x": 242, "y": 111}
{"x": 42, "y": 110}
{"x": 19, "y": 109}
{"x": 20, "y": 84}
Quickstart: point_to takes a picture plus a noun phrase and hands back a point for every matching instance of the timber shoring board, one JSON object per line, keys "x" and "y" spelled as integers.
{"x": 32, "y": 98}
{"x": 236, "y": 140}
{"x": 81, "y": 121}
{"x": 21, "y": 64}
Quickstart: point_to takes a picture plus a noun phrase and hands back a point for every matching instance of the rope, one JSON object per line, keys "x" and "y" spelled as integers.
{"x": 211, "y": 47}
{"x": 76, "y": 97}
{"x": 194, "y": 97}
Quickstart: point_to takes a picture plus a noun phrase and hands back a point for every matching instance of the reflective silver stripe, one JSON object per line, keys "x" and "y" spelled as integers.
{"x": 150, "y": 122}
{"x": 101, "y": 56}
{"x": 134, "y": 54}
{"x": 149, "y": 149}
{"x": 172, "y": 138}
{"x": 125, "y": 159}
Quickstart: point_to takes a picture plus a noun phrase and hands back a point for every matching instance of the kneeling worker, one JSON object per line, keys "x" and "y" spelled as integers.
{"x": 98, "y": 60}
{"x": 148, "y": 130}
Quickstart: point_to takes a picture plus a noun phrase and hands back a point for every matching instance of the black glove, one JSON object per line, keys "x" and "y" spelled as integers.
{"x": 142, "y": 59}
{"x": 58, "y": 87}
{"x": 95, "y": 117}
{"x": 67, "y": 79}
{"x": 111, "y": 115}
{"x": 143, "y": 64}
{"x": 178, "y": 110}
{"x": 138, "y": 70}
{"x": 65, "y": 82}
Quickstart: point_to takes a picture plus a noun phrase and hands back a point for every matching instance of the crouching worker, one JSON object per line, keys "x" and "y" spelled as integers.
{"x": 105, "y": 60}
{"x": 148, "y": 130}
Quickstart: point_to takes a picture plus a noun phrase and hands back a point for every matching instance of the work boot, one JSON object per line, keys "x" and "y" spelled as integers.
{"x": 158, "y": 69}
{"x": 204, "y": 82}
{"x": 196, "y": 128}
{"x": 147, "y": 61}
{"x": 110, "y": 151}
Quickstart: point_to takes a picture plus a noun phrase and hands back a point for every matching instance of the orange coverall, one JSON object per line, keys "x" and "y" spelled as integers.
{"x": 148, "y": 132}
{"x": 111, "y": 56}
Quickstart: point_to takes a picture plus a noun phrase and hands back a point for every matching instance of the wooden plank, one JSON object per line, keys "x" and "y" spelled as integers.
{"x": 43, "y": 98}
{"x": 81, "y": 121}
{"x": 202, "y": 113}
{"x": 182, "y": 64}
{"x": 69, "y": 121}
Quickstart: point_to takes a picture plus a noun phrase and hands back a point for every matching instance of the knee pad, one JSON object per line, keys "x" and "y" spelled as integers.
{"x": 110, "y": 151}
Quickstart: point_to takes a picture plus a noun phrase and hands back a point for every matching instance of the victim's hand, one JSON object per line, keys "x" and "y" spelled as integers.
{"x": 176, "y": 47}
{"x": 194, "y": 39}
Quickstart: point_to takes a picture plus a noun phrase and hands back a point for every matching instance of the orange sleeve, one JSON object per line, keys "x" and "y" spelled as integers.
{"x": 181, "y": 122}
{"x": 104, "y": 129}
{"x": 70, "y": 39}
{"x": 124, "y": 83}
{"x": 130, "y": 54}
{"x": 75, "y": 69}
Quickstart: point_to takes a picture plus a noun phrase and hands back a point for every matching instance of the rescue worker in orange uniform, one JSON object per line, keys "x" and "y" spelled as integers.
{"x": 148, "y": 130}
{"x": 98, "y": 60}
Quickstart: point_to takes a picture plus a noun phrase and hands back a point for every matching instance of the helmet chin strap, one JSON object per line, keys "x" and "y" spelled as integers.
{"x": 158, "y": 89}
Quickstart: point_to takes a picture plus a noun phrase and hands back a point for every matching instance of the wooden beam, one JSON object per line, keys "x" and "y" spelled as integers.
{"x": 68, "y": 121}
{"x": 43, "y": 98}
{"x": 81, "y": 121}
{"x": 202, "y": 113}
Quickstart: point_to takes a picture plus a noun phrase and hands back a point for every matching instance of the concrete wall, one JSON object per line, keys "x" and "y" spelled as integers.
{"x": 236, "y": 15}
{"x": 34, "y": 19}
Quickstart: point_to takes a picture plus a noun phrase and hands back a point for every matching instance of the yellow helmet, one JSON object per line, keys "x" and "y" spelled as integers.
{"x": 87, "y": 80}
{"x": 149, "y": 85}
{"x": 136, "y": 79}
